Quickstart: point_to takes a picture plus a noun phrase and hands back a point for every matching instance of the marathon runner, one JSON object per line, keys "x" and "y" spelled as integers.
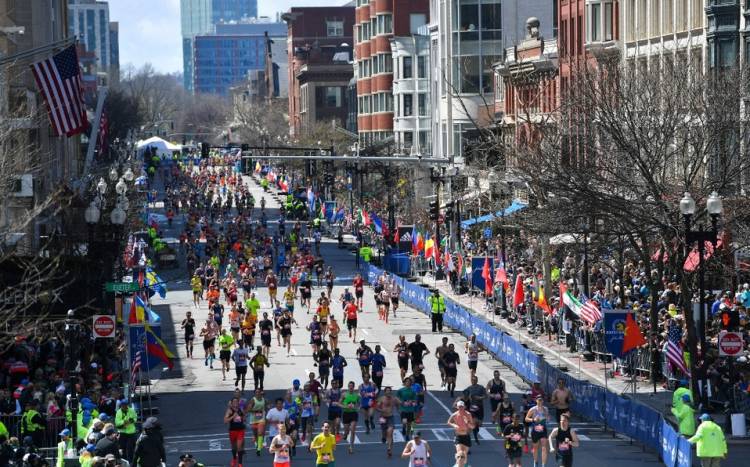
{"x": 364, "y": 357}
{"x": 209, "y": 332}
{"x": 350, "y": 312}
{"x": 408, "y": 404}
{"x": 338, "y": 363}
{"x": 359, "y": 289}
{"x": 276, "y": 417}
{"x": 324, "y": 445}
{"x": 235, "y": 418}
{"x": 418, "y": 451}
{"x": 474, "y": 396}
{"x": 330, "y": 277}
{"x": 439, "y": 352}
{"x": 285, "y": 325}
{"x": 462, "y": 422}
{"x": 240, "y": 356}
{"x": 257, "y": 410}
{"x": 417, "y": 352}
{"x": 537, "y": 417}
{"x": 473, "y": 349}
{"x": 272, "y": 284}
{"x": 333, "y": 399}
{"x": 225, "y": 352}
{"x": 562, "y": 440}
{"x": 323, "y": 312}
{"x": 450, "y": 367}
{"x": 324, "y": 364}
{"x": 377, "y": 361}
{"x": 368, "y": 393}
{"x": 560, "y": 399}
{"x": 293, "y": 410}
{"x": 266, "y": 327}
{"x": 188, "y": 324}
{"x": 280, "y": 447}
{"x": 503, "y": 415}
{"x": 345, "y": 298}
{"x": 496, "y": 390}
{"x": 402, "y": 355}
{"x": 235, "y": 318}
{"x": 395, "y": 292}
{"x": 307, "y": 402}
{"x": 350, "y": 402}
{"x": 333, "y": 332}
{"x": 514, "y": 438}
{"x": 386, "y": 406}
{"x": 248, "y": 329}
{"x": 259, "y": 363}
{"x": 197, "y": 286}
{"x": 316, "y": 337}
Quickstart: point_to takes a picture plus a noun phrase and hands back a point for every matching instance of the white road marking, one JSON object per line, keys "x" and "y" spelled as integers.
{"x": 357, "y": 440}
{"x": 440, "y": 434}
{"x": 485, "y": 435}
{"x": 214, "y": 445}
{"x": 440, "y": 403}
{"x": 364, "y": 331}
{"x": 583, "y": 437}
{"x": 398, "y": 437}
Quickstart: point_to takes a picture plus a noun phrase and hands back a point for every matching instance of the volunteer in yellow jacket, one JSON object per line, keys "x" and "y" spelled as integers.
{"x": 685, "y": 415}
{"x": 125, "y": 420}
{"x": 63, "y": 446}
{"x": 711, "y": 444}
{"x": 679, "y": 392}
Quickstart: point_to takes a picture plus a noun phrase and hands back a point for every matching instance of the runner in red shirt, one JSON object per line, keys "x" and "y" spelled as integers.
{"x": 350, "y": 310}
{"x": 359, "y": 289}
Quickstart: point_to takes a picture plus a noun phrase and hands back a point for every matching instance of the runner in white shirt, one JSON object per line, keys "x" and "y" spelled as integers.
{"x": 276, "y": 415}
{"x": 281, "y": 446}
{"x": 417, "y": 451}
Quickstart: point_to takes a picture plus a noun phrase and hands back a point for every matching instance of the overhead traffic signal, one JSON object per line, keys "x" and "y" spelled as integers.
{"x": 434, "y": 210}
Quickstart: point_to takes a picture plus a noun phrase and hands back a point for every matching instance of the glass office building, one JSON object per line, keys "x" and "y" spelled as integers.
{"x": 223, "y": 61}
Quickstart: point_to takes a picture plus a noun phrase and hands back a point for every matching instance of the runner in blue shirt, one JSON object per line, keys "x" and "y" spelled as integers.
{"x": 369, "y": 394}
{"x": 378, "y": 364}
{"x": 338, "y": 362}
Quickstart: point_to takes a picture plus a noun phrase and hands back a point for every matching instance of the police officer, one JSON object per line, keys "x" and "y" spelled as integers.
{"x": 437, "y": 304}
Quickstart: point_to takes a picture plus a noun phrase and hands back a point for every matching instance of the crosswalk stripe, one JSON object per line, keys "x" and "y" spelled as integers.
{"x": 485, "y": 435}
{"x": 357, "y": 440}
{"x": 583, "y": 437}
{"x": 398, "y": 437}
{"x": 440, "y": 434}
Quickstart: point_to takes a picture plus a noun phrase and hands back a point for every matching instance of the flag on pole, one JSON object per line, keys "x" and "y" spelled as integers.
{"x": 540, "y": 299}
{"x": 154, "y": 282}
{"x": 429, "y": 247}
{"x": 571, "y": 302}
{"x": 461, "y": 265}
{"x": 414, "y": 249}
{"x": 518, "y": 293}
{"x": 102, "y": 138}
{"x": 673, "y": 350}
{"x": 364, "y": 218}
{"x": 633, "y": 337}
{"x": 449, "y": 266}
{"x": 590, "y": 311}
{"x": 501, "y": 275}
{"x": 135, "y": 368}
{"x": 487, "y": 276}
{"x": 59, "y": 80}
{"x": 156, "y": 347}
{"x": 397, "y": 235}
{"x": 420, "y": 242}
{"x": 377, "y": 222}
{"x": 340, "y": 214}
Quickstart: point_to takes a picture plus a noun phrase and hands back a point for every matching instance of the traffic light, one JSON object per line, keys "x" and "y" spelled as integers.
{"x": 434, "y": 210}
{"x": 204, "y": 150}
{"x": 328, "y": 179}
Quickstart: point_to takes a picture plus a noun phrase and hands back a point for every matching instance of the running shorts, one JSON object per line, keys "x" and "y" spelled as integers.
{"x": 349, "y": 417}
{"x": 225, "y": 355}
{"x": 463, "y": 440}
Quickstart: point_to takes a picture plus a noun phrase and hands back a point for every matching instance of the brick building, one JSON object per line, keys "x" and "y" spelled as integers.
{"x": 377, "y": 22}
{"x": 320, "y": 65}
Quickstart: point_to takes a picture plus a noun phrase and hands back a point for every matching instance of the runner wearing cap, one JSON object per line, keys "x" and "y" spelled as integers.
{"x": 462, "y": 422}
{"x": 418, "y": 451}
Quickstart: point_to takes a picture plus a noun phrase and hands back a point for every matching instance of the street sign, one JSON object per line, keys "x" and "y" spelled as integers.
{"x": 103, "y": 326}
{"x": 730, "y": 343}
{"x": 122, "y": 287}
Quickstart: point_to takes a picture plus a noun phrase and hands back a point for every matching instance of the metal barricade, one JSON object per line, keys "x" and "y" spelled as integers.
{"x": 54, "y": 425}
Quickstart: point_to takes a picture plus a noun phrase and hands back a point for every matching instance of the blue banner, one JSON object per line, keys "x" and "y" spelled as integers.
{"x": 669, "y": 445}
{"x": 477, "y": 265}
{"x": 614, "y": 331}
{"x": 684, "y": 452}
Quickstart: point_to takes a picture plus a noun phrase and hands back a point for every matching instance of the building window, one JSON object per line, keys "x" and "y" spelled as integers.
{"x": 329, "y": 96}
{"x": 91, "y": 31}
{"x": 408, "y": 139}
{"x": 408, "y": 105}
{"x": 422, "y": 67}
{"x": 697, "y": 14}
{"x": 406, "y": 71}
{"x": 334, "y": 28}
{"x": 681, "y": 16}
{"x": 466, "y": 72}
{"x": 727, "y": 53}
{"x": 384, "y": 24}
{"x": 599, "y": 21}
{"x": 491, "y": 24}
{"x": 422, "y": 104}
{"x": 641, "y": 23}
{"x": 416, "y": 20}
{"x": 655, "y": 17}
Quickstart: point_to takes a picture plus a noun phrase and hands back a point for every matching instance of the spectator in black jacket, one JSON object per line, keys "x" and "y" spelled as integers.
{"x": 149, "y": 449}
{"x": 109, "y": 444}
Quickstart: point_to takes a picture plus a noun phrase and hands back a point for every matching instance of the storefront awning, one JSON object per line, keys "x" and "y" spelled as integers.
{"x": 514, "y": 207}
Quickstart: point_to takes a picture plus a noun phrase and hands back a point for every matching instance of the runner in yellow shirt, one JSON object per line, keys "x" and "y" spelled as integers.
{"x": 324, "y": 444}
{"x": 225, "y": 352}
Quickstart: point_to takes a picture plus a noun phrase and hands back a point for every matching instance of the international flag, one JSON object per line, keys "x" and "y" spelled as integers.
{"x": 518, "y": 293}
{"x": 135, "y": 368}
{"x": 257, "y": 167}
{"x": 420, "y": 242}
{"x": 487, "y": 276}
{"x": 673, "y": 350}
{"x": 397, "y": 235}
{"x": 364, "y": 218}
{"x": 540, "y": 299}
{"x": 449, "y": 265}
{"x": 590, "y": 311}
{"x": 633, "y": 336}
{"x": 156, "y": 347}
{"x": 501, "y": 275}
{"x": 570, "y": 300}
{"x": 140, "y": 312}
{"x": 155, "y": 283}
{"x": 310, "y": 201}
{"x": 340, "y": 214}
{"x": 460, "y": 264}
{"x": 414, "y": 247}
{"x": 377, "y": 222}
{"x": 429, "y": 247}
{"x": 59, "y": 80}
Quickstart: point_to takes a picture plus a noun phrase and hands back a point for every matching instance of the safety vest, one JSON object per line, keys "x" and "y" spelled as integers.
{"x": 27, "y": 424}
{"x": 437, "y": 305}
{"x": 62, "y": 447}
{"x": 120, "y": 418}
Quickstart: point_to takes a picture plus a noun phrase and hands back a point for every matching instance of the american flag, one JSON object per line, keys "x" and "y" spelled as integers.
{"x": 590, "y": 311}
{"x": 135, "y": 368}
{"x": 59, "y": 80}
{"x": 673, "y": 349}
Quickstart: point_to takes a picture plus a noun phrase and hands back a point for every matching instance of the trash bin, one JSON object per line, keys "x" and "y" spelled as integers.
{"x": 739, "y": 428}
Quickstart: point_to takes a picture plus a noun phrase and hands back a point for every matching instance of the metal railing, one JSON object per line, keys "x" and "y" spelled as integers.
{"x": 53, "y": 426}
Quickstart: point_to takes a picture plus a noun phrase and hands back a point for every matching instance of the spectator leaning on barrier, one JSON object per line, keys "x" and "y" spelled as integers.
{"x": 711, "y": 445}
{"x": 685, "y": 416}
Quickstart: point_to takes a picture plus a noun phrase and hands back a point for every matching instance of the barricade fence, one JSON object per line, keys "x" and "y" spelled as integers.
{"x": 591, "y": 401}
{"x": 53, "y": 426}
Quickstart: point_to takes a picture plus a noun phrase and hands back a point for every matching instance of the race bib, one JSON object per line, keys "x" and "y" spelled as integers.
{"x": 378, "y": 373}
{"x": 538, "y": 428}
{"x": 506, "y": 419}
{"x": 237, "y": 419}
{"x": 419, "y": 462}
{"x": 516, "y": 437}
{"x": 563, "y": 447}
{"x": 381, "y": 420}
{"x": 326, "y": 458}
{"x": 266, "y": 332}
{"x": 258, "y": 414}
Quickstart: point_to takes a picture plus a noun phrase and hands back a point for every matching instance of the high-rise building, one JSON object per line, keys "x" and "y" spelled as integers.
{"x": 223, "y": 59}
{"x": 88, "y": 20}
{"x": 201, "y": 17}
{"x": 377, "y": 22}
{"x": 114, "y": 51}
{"x": 320, "y": 54}
{"x": 466, "y": 38}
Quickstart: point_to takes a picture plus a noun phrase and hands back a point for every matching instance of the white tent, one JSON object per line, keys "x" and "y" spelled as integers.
{"x": 163, "y": 148}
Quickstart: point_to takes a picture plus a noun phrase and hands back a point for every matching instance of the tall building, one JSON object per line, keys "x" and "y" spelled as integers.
{"x": 200, "y": 17}
{"x": 466, "y": 38}
{"x": 114, "y": 51}
{"x": 376, "y": 23}
{"x": 411, "y": 93}
{"x": 224, "y": 59}
{"x": 320, "y": 65}
{"x": 88, "y": 20}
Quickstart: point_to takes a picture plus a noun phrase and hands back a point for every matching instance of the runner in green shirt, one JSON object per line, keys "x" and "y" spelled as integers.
{"x": 252, "y": 304}
{"x": 350, "y": 402}
{"x": 225, "y": 354}
{"x": 408, "y": 399}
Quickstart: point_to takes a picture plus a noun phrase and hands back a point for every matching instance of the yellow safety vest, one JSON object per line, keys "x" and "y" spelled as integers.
{"x": 438, "y": 305}
{"x": 28, "y": 425}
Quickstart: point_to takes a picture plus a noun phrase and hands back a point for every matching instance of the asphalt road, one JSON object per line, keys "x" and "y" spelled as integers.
{"x": 192, "y": 398}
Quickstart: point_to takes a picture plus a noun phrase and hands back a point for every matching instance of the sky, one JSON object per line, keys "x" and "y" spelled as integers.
{"x": 150, "y": 29}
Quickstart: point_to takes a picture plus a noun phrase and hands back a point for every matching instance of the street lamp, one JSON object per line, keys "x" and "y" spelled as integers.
{"x": 92, "y": 214}
{"x": 117, "y": 217}
{"x": 714, "y": 208}
{"x": 101, "y": 187}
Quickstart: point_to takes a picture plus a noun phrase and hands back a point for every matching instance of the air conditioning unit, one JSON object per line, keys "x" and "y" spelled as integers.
{"x": 24, "y": 186}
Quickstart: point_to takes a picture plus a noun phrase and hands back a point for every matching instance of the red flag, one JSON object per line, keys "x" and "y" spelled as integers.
{"x": 396, "y": 236}
{"x": 500, "y": 275}
{"x": 518, "y": 292}
{"x": 487, "y": 276}
{"x": 132, "y": 316}
{"x": 633, "y": 337}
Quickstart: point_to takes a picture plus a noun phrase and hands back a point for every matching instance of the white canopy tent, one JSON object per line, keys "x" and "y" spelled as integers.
{"x": 163, "y": 148}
